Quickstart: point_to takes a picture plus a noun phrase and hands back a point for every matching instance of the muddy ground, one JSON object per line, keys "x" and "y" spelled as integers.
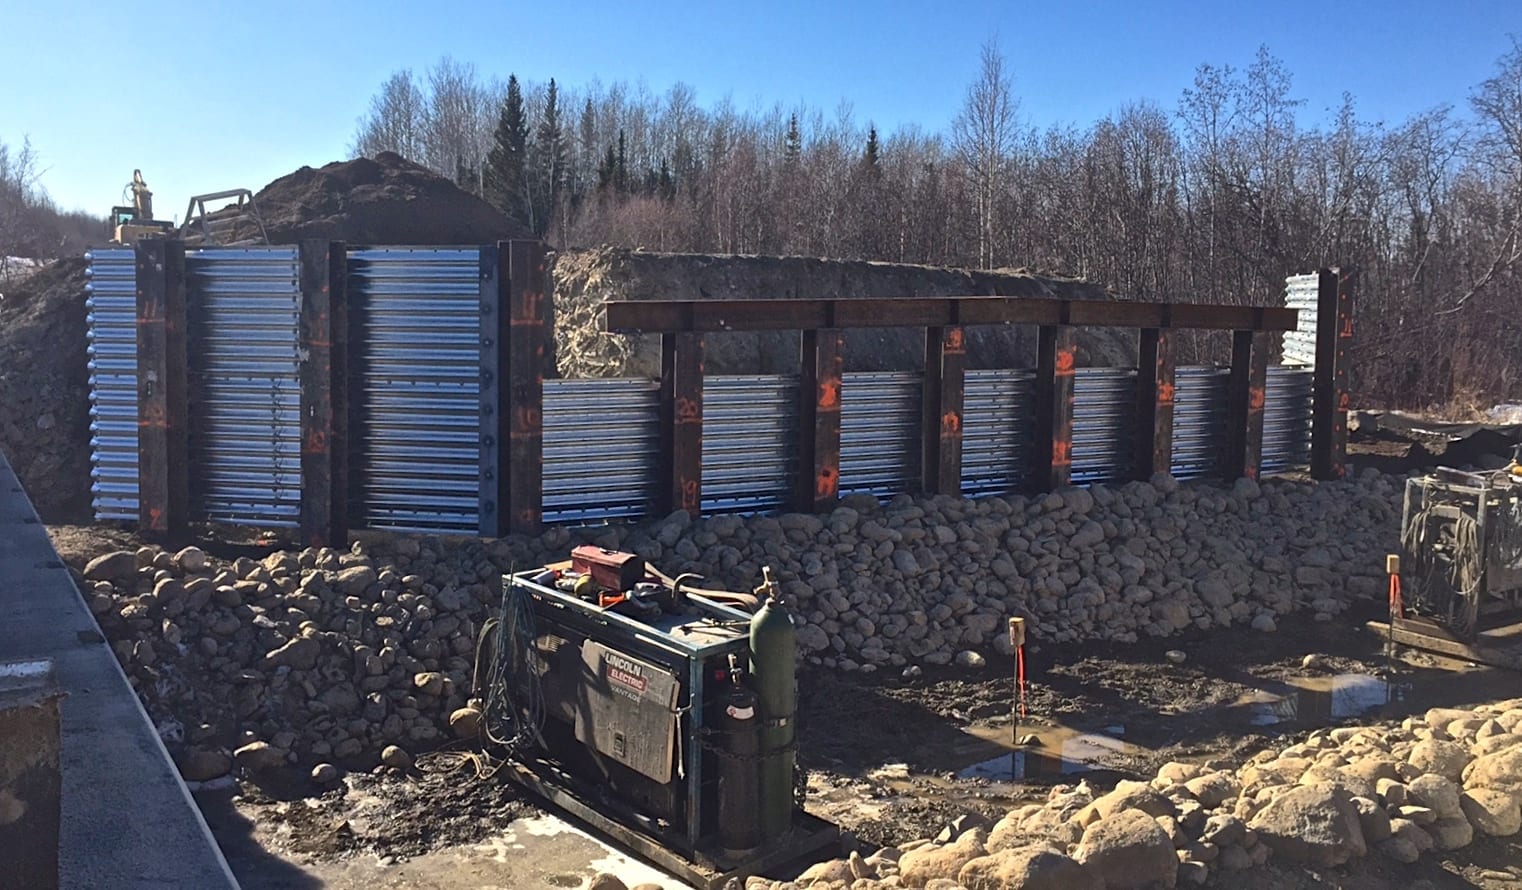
{"x": 894, "y": 758}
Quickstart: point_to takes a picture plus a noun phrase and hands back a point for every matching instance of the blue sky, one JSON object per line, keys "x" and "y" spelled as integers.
{"x": 216, "y": 95}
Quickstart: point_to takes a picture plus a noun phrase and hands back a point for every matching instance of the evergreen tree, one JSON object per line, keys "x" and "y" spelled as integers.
{"x": 793, "y": 149}
{"x": 667, "y": 184}
{"x": 621, "y": 170}
{"x": 607, "y": 171}
{"x": 506, "y": 162}
{"x": 869, "y": 158}
{"x": 547, "y": 173}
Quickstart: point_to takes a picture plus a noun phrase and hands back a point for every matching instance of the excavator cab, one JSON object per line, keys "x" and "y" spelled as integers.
{"x": 131, "y": 224}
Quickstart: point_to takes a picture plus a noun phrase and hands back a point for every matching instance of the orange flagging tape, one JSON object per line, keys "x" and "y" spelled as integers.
{"x": 1395, "y": 604}
{"x": 1020, "y": 675}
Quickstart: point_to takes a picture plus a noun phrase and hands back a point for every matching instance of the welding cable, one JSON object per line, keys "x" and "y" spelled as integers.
{"x": 745, "y": 601}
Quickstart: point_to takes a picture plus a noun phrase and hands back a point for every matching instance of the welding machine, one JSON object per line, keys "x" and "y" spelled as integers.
{"x": 657, "y": 711}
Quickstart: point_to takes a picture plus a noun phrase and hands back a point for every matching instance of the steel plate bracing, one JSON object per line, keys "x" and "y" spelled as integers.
{"x": 601, "y": 448}
{"x": 1199, "y": 420}
{"x": 880, "y": 432}
{"x": 415, "y": 376}
{"x": 1287, "y": 418}
{"x": 750, "y": 431}
{"x": 111, "y": 318}
{"x": 997, "y": 406}
{"x": 1104, "y": 420}
{"x": 245, "y": 395}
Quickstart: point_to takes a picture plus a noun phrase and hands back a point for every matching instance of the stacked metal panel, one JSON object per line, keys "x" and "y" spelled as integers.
{"x": 1104, "y": 421}
{"x": 111, "y": 318}
{"x": 1287, "y": 418}
{"x": 880, "y": 431}
{"x": 1300, "y": 292}
{"x": 602, "y": 443}
{"x": 1199, "y": 420}
{"x": 416, "y": 427}
{"x": 243, "y": 311}
{"x": 750, "y": 441}
{"x": 997, "y": 410}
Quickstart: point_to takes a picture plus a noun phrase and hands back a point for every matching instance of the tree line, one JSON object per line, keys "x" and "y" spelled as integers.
{"x": 1216, "y": 196}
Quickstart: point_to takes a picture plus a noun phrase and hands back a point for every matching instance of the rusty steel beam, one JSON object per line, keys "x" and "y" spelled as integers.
{"x": 1154, "y": 403}
{"x": 941, "y": 429}
{"x": 698, "y": 316}
{"x": 820, "y": 367}
{"x": 1056, "y": 366}
{"x": 1329, "y": 404}
{"x": 681, "y": 409}
{"x": 162, "y": 407}
{"x": 1245, "y": 393}
{"x": 324, "y": 385}
{"x": 523, "y": 385}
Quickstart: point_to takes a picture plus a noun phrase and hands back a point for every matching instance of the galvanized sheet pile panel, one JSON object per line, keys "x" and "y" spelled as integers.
{"x": 1104, "y": 421}
{"x": 997, "y": 432}
{"x": 1287, "y": 418}
{"x": 243, "y": 310}
{"x": 417, "y": 422}
{"x": 1300, "y": 292}
{"x": 750, "y": 436}
{"x": 880, "y": 431}
{"x": 111, "y": 319}
{"x": 601, "y": 448}
{"x": 1199, "y": 420}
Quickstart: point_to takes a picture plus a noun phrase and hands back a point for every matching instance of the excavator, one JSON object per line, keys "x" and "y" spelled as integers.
{"x": 131, "y": 224}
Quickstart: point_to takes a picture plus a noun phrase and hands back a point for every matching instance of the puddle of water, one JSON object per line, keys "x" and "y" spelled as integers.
{"x": 1316, "y": 701}
{"x": 1056, "y": 751}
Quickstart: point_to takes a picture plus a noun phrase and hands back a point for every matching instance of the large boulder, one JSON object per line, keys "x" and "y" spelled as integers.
{"x": 112, "y": 566}
{"x": 1446, "y": 759}
{"x": 1436, "y": 794}
{"x": 1318, "y": 824}
{"x": 1492, "y": 811}
{"x": 1027, "y": 868}
{"x": 919, "y": 866}
{"x": 1128, "y": 850}
{"x": 1500, "y": 769}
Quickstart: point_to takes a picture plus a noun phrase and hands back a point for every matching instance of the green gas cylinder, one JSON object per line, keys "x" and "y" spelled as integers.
{"x": 773, "y": 647}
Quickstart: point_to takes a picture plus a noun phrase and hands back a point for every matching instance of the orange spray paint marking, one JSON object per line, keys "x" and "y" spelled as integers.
{"x": 1062, "y": 453}
{"x": 829, "y": 395}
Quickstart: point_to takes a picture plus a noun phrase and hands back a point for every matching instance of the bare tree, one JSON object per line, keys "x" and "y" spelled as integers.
{"x": 20, "y": 199}
{"x": 395, "y": 121}
{"x": 983, "y": 136}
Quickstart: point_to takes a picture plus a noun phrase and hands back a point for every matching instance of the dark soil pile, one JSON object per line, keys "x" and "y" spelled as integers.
{"x": 382, "y": 200}
{"x": 44, "y": 393}
{"x": 584, "y": 279}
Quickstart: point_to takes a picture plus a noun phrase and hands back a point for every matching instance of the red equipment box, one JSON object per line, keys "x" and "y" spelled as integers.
{"x": 610, "y": 569}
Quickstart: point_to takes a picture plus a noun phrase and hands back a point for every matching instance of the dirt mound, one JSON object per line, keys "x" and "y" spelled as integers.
{"x": 44, "y": 391}
{"x": 382, "y": 200}
{"x": 583, "y": 279}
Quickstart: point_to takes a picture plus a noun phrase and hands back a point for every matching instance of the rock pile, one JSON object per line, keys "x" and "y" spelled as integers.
{"x": 317, "y": 655}
{"x": 301, "y": 657}
{"x": 922, "y": 580}
{"x": 1433, "y": 782}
